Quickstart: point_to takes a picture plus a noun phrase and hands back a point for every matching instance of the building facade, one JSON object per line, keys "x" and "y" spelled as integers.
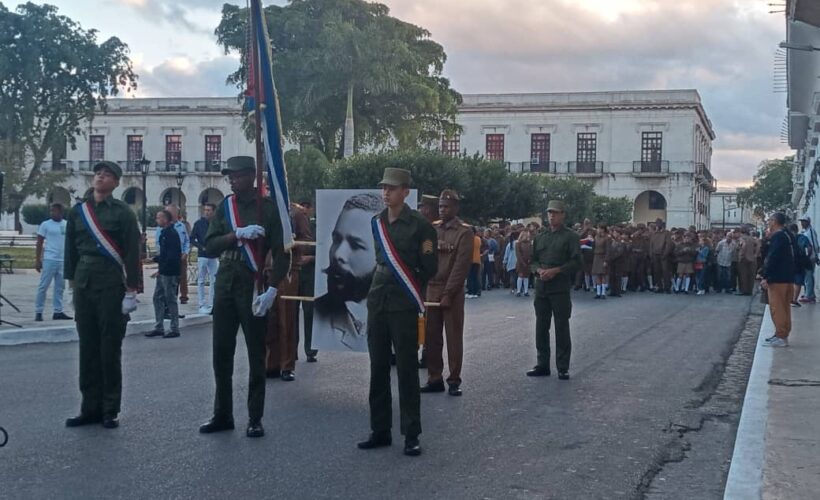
{"x": 653, "y": 147}
{"x": 803, "y": 68}
{"x": 185, "y": 142}
{"x": 727, "y": 213}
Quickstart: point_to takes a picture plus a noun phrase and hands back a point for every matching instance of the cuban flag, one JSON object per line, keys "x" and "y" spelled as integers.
{"x": 260, "y": 73}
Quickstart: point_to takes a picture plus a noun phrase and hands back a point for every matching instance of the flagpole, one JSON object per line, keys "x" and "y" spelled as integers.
{"x": 260, "y": 154}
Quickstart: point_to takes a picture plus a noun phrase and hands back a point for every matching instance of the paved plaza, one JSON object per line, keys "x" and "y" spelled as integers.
{"x": 643, "y": 366}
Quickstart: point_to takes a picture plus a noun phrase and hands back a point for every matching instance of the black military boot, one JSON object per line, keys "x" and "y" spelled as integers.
{"x": 376, "y": 441}
{"x": 412, "y": 447}
{"x": 83, "y": 419}
{"x": 216, "y": 424}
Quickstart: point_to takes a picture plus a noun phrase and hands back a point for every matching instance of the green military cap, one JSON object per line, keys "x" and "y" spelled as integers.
{"x": 428, "y": 199}
{"x": 239, "y": 163}
{"x": 449, "y": 194}
{"x": 395, "y": 177}
{"x": 110, "y": 166}
{"x": 556, "y": 206}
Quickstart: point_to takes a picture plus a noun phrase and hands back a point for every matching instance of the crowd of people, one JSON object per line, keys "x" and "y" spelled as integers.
{"x": 641, "y": 257}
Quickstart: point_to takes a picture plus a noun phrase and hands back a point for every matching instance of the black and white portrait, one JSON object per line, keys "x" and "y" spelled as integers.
{"x": 345, "y": 263}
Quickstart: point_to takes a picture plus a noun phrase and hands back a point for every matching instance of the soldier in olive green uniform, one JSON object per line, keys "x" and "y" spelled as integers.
{"x": 104, "y": 293}
{"x": 556, "y": 256}
{"x": 234, "y": 291}
{"x": 393, "y": 315}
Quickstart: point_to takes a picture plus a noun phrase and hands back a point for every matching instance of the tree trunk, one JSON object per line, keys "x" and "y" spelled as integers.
{"x": 348, "y": 134}
{"x": 17, "y": 226}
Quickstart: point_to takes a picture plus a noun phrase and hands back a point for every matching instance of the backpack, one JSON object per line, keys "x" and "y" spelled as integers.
{"x": 802, "y": 262}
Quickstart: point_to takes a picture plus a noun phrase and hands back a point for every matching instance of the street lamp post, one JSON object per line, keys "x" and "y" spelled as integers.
{"x": 144, "y": 171}
{"x": 544, "y": 202}
{"x": 180, "y": 179}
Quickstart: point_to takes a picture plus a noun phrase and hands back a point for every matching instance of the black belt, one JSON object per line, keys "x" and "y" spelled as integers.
{"x": 233, "y": 255}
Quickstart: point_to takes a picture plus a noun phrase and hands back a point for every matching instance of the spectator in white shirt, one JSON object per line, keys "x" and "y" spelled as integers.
{"x": 49, "y": 263}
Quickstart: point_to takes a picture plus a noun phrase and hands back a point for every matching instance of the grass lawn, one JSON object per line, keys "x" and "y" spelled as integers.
{"x": 23, "y": 256}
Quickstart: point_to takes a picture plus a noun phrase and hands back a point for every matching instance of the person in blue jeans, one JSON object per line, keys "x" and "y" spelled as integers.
{"x": 701, "y": 260}
{"x": 811, "y": 236}
{"x": 49, "y": 262}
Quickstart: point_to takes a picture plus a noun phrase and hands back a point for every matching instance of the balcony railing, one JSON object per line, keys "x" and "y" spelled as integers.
{"x": 164, "y": 166}
{"x": 85, "y": 165}
{"x": 704, "y": 176}
{"x": 544, "y": 167}
{"x": 57, "y": 166}
{"x": 586, "y": 168}
{"x": 651, "y": 167}
{"x": 209, "y": 166}
{"x": 131, "y": 167}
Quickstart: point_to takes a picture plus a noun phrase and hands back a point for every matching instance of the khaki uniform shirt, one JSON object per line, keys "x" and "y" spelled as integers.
{"x": 455, "y": 254}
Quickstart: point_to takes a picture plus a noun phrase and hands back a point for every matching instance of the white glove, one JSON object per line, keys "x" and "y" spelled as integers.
{"x": 129, "y": 302}
{"x": 263, "y": 302}
{"x": 250, "y": 232}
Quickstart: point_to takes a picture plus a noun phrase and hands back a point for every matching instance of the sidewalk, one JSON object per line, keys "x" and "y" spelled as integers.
{"x": 21, "y": 287}
{"x": 777, "y": 450}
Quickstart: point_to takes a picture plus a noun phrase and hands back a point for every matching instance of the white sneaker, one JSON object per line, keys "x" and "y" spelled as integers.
{"x": 701, "y": 292}
{"x": 777, "y": 342}
{"x": 204, "y": 310}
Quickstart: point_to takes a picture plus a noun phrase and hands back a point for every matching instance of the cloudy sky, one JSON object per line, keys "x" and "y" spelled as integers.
{"x": 723, "y": 48}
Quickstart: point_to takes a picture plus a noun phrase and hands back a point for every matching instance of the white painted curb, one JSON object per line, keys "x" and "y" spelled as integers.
{"x": 68, "y": 333}
{"x": 745, "y": 479}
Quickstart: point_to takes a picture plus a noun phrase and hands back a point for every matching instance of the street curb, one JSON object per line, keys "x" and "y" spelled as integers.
{"x": 53, "y": 335}
{"x": 745, "y": 480}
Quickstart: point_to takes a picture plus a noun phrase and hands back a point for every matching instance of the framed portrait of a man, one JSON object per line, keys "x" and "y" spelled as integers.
{"x": 345, "y": 263}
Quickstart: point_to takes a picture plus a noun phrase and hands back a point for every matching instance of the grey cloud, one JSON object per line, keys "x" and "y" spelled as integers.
{"x": 205, "y": 79}
{"x": 173, "y": 12}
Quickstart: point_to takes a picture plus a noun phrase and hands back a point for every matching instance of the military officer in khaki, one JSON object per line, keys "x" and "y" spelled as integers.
{"x": 556, "y": 256}
{"x": 455, "y": 253}
{"x": 392, "y": 315}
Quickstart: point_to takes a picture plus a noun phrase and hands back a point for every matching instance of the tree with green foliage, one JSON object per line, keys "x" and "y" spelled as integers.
{"x": 772, "y": 188}
{"x": 609, "y": 210}
{"x": 54, "y": 75}
{"x": 34, "y": 215}
{"x": 576, "y": 194}
{"x": 308, "y": 170}
{"x": 333, "y": 55}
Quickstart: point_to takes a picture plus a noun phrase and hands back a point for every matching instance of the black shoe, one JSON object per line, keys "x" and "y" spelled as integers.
{"x": 454, "y": 390}
{"x": 255, "y": 430}
{"x": 412, "y": 448}
{"x": 563, "y": 375}
{"x": 376, "y": 441}
{"x": 288, "y": 376}
{"x": 273, "y": 374}
{"x": 311, "y": 358}
{"x": 216, "y": 424}
{"x": 155, "y": 333}
{"x": 61, "y": 315}
{"x": 110, "y": 422}
{"x": 83, "y": 419}
{"x": 171, "y": 335}
{"x": 539, "y": 371}
{"x": 38, "y": 317}
{"x": 433, "y": 387}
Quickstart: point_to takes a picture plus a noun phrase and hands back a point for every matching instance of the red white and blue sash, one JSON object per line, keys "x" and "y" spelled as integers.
{"x": 400, "y": 270}
{"x": 248, "y": 250}
{"x": 105, "y": 243}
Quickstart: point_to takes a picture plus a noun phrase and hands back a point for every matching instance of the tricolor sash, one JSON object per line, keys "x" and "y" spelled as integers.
{"x": 248, "y": 250}
{"x": 105, "y": 243}
{"x": 400, "y": 270}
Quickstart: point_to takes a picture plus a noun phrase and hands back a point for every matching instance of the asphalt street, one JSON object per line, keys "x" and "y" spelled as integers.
{"x": 639, "y": 363}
